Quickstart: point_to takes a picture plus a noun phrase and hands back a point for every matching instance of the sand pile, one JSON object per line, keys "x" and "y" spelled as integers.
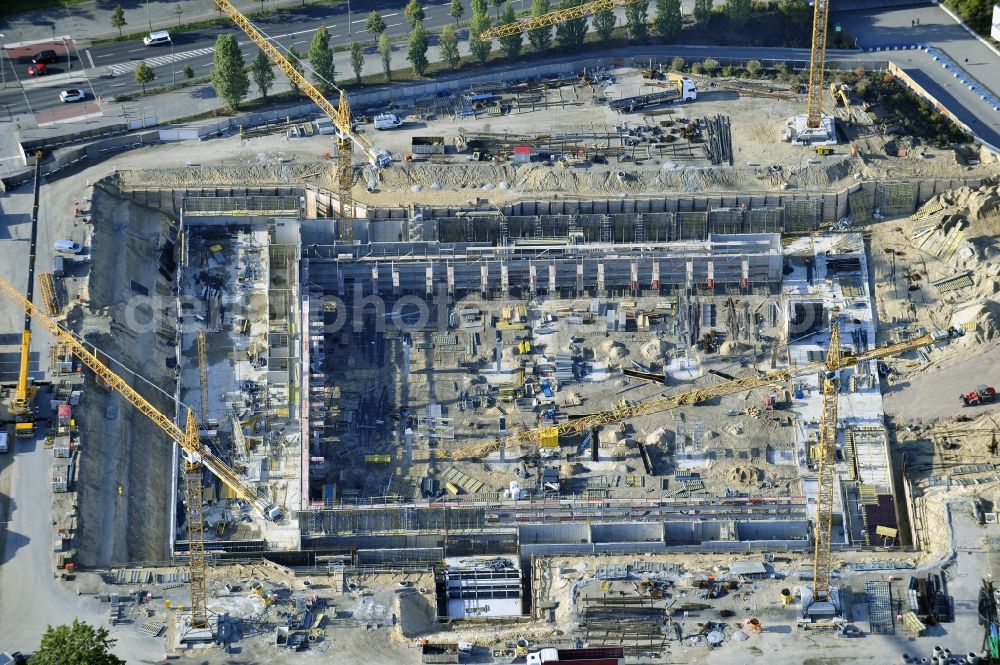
{"x": 656, "y": 437}
{"x": 610, "y": 436}
{"x": 976, "y": 204}
{"x": 264, "y": 170}
{"x": 732, "y": 348}
{"x": 653, "y": 349}
{"x": 569, "y": 398}
{"x": 985, "y": 314}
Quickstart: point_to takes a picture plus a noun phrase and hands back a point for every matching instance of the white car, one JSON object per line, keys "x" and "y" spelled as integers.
{"x": 72, "y": 95}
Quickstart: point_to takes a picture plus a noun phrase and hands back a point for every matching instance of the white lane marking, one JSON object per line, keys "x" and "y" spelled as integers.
{"x": 125, "y": 67}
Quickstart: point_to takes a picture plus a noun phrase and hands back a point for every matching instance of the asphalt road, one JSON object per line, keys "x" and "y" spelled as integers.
{"x": 110, "y": 67}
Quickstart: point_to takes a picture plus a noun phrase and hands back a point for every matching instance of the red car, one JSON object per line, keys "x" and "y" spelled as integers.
{"x": 38, "y": 69}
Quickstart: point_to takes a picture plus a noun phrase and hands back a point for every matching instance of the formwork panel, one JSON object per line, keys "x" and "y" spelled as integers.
{"x": 629, "y": 532}
{"x": 692, "y": 225}
{"x": 725, "y": 220}
{"x": 553, "y": 533}
{"x": 895, "y": 198}
{"x": 800, "y": 216}
{"x": 764, "y": 220}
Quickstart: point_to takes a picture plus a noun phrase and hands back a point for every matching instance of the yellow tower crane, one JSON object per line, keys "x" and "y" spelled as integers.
{"x": 554, "y": 18}
{"x": 196, "y": 454}
{"x": 817, "y": 64}
{"x": 698, "y": 395}
{"x": 826, "y": 459}
{"x": 340, "y": 115}
{"x": 24, "y": 393}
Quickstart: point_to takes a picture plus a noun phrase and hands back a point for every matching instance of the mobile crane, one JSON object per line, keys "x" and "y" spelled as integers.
{"x": 24, "y": 394}
{"x": 340, "y": 115}
{"x": 196, "y": 454}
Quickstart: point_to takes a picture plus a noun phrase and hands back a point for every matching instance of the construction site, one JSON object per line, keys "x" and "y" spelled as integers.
{"x": 553, "y": 371}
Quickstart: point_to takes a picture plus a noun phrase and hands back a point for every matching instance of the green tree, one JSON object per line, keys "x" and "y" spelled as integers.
{"x": 738, "y": 12}
{"x": 703, "y": 11}
{"x": 78, "y": 644}
{"x": 357, "y": 60}
{"x": 677, "y": 64}
{"x": 448, "y": 43}
{"x": 188, "y": 72}
{"x": 417, "y": 51}
{"x": 457, "y": 10}
{"x": 637, "y": 20}
{"x": 511, "y": 45}
{"x": 118, "y": 18}
{"x": 295, "y": 58}
{"x": 478, "y": 46}
{"x": 754, "y": 67}
{"x": 571, "y": 34}
{"x": 229, "y": 75}
{"x": 668, "y": 19}
{"x": 321, "y": 60}
{"x": 375, "y": 24}
{"x": 143, "y": 74}
{"x": 604, "y": 24}
{"x": 262, "y": 73}
{"x": 414, "y": 12}
{"x": 540, "y": 38}
{"x": 385, "y": 51}
{"x": 710, "y": 65}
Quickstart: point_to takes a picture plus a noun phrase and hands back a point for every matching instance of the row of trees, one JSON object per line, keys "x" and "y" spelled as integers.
{"x": 231, "y": 77}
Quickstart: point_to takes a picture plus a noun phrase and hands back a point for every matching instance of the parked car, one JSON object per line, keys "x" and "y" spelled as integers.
{"x": 45, "y": 57}
{"x": 158, "y": 38}
{"x": 72, "y": 95}
{"x": 38, "y": 70}
{"x": 68, "y": 246}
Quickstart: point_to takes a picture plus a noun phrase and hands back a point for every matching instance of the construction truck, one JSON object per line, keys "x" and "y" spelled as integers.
{"x": 682, "y": 90}
{"x": 981, "y": 395}
{"x": 590, "y": 656}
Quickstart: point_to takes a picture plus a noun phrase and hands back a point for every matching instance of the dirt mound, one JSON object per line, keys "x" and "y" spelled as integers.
{"x": 976, "y": 204}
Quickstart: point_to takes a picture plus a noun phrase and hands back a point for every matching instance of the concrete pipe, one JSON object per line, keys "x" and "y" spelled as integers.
{"x": 972, "y": 658}
{"x": 621, "y": 176}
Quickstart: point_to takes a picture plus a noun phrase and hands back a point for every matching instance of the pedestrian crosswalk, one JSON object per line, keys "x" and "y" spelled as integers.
{"x": 126, "y": 67}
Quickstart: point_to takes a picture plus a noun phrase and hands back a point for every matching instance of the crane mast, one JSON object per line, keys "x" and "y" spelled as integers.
{"x": 24, "y": 393}
{"x": 826, "y": 458}
{"x": 817, "y": 64}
